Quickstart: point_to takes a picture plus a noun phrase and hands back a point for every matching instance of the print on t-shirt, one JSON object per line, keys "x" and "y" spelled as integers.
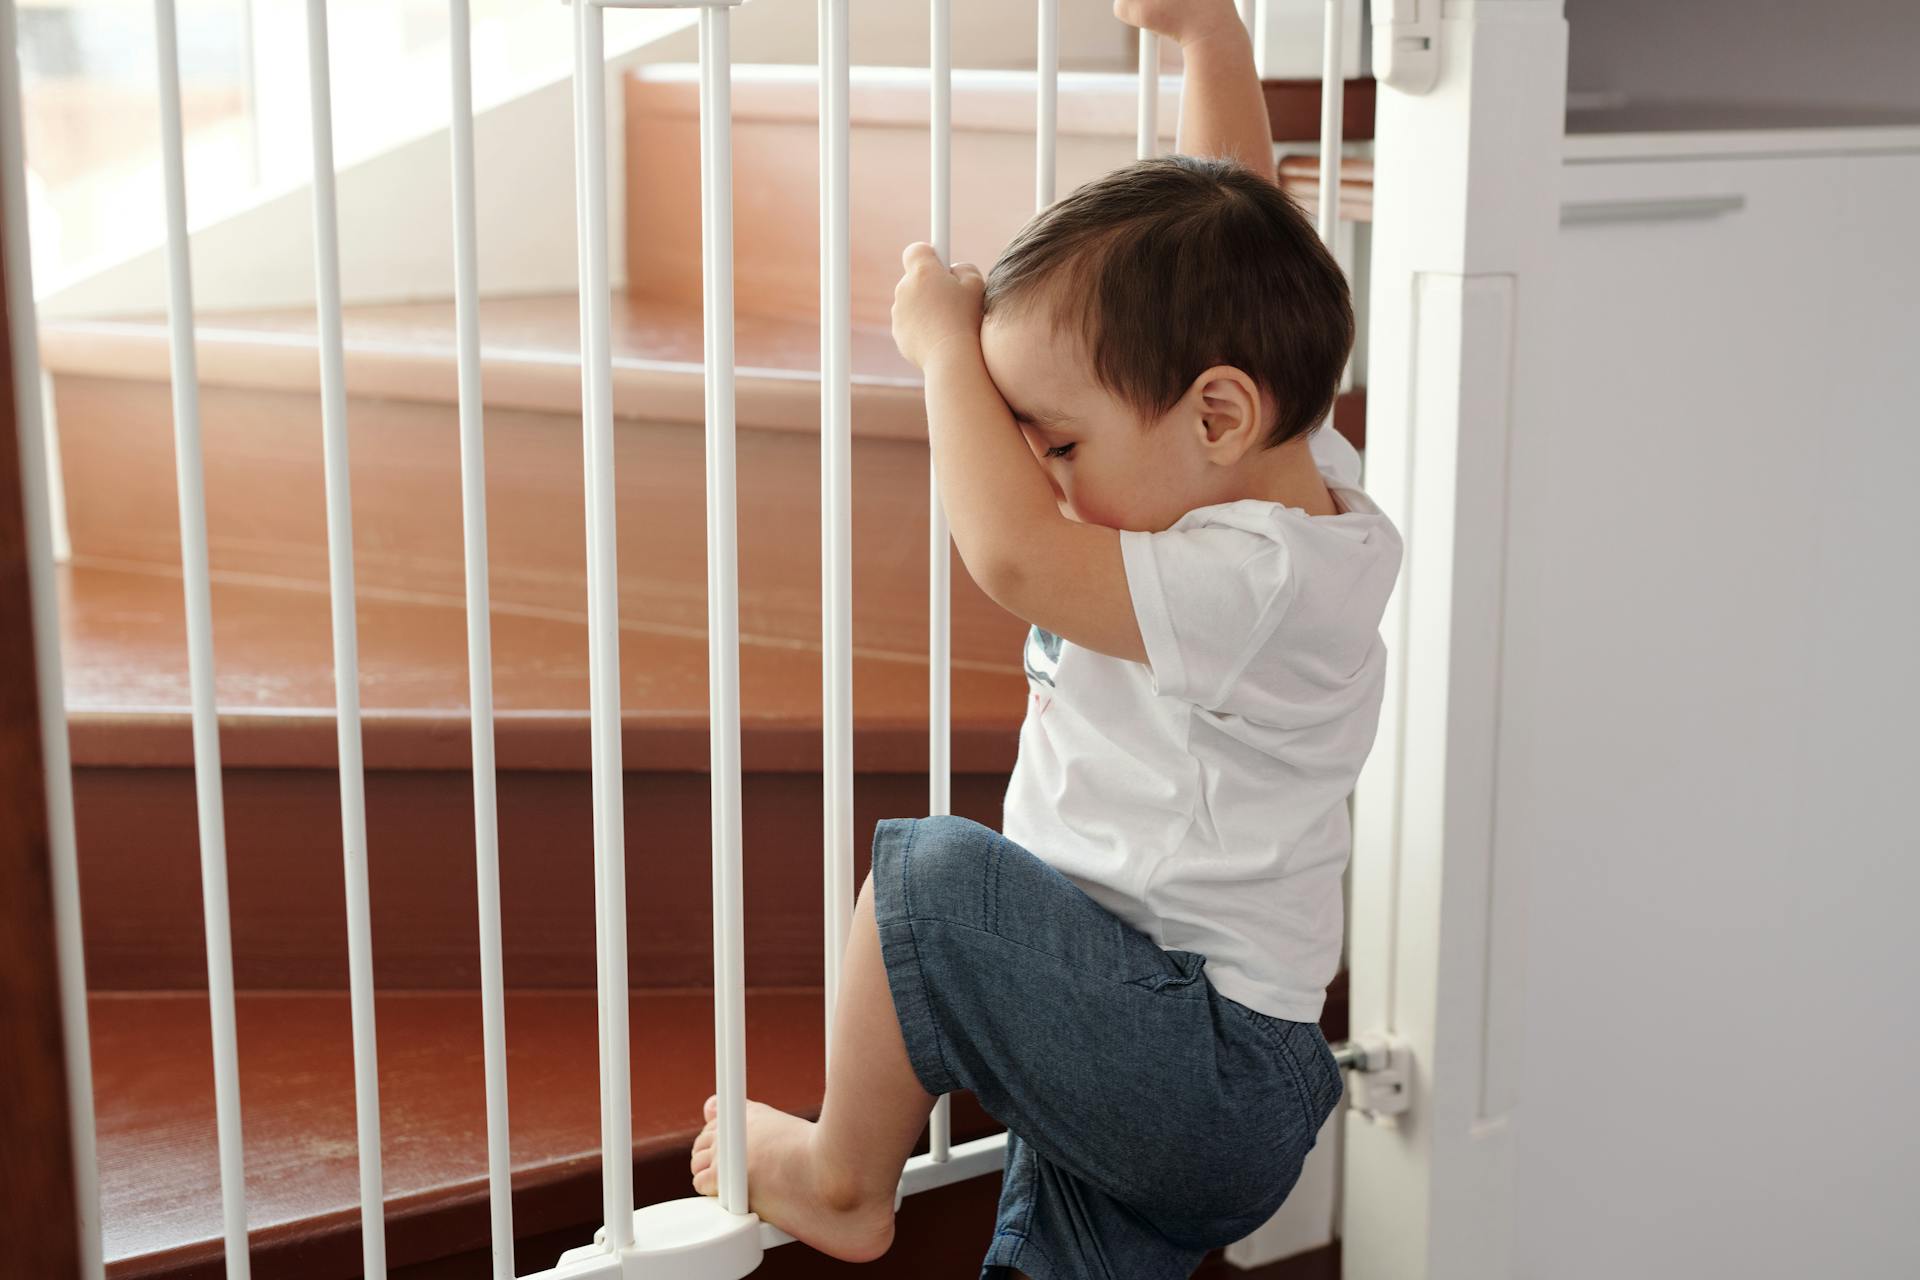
{"x": 1042, "y": 656}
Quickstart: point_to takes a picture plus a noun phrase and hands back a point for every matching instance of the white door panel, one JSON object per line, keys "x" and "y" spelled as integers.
{"x": 1710, "y": 696}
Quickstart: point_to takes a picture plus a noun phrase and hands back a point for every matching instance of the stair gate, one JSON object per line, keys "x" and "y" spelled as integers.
{"x": 697, "y": 1238}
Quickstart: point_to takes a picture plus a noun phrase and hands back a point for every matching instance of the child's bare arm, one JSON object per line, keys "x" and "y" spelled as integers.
{"x": 1222, "y": 111}
{"x": 1059, "y": 574}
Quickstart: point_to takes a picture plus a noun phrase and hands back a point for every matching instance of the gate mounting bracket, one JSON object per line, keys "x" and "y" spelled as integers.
{"x": 1406, "y": 44}
{"x": 1379, "y": 1086}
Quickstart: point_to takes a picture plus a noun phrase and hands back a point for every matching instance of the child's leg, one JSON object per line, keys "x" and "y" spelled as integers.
{"x": 875, "y": 1109}
{"x": 831, "y": 1184}
{"x": 1150, "y": 1119}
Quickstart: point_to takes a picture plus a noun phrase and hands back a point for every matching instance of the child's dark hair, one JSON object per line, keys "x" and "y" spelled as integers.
{"x": 1168, "y": 267}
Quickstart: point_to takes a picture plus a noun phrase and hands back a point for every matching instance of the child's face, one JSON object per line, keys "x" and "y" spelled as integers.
{"x": 1108, "y": 466}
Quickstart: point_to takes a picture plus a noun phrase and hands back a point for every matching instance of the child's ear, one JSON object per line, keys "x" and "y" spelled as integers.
{"x": 1226, "y": 414}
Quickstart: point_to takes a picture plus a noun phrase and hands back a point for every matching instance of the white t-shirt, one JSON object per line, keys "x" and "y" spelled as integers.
{"x": 1201, "y": 796}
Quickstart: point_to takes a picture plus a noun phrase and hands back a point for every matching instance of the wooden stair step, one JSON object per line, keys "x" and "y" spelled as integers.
{"x": 127, "y": 689}
{"x": 1300, "y": 175}
{"x": 530, "y": 347}
{"x": 140, "y": 874}
{"x": 159, "y": 1160}
{"x": 134, "y": 789}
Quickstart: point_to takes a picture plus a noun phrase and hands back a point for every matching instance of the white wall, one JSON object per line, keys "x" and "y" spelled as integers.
{"x": 1710, "y": 702}
{"x": 999, "y": 34}
{"x": 395, "y": 206}
{"x": 1002, "y": 34}
{"x": 396, "y": 210}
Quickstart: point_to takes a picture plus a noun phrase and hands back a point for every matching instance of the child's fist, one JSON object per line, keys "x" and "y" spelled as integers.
{"x": 933, "y": 304}
{"x": 1182, "y": 21}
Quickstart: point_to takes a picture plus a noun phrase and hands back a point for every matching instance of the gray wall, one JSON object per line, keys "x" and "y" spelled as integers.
{"x": 1851, "y": 53}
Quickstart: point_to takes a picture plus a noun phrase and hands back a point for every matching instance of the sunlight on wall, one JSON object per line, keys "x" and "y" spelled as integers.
{"x": 93, "y": 141}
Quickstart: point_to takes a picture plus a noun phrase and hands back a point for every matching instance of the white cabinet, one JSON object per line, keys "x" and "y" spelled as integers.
{"x": 1710, "y": 717}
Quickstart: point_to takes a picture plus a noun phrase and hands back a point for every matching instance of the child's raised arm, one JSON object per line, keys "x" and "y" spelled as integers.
{"x": 1223, "y": 111}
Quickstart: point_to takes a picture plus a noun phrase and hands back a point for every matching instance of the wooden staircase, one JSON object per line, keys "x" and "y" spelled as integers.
{"x": 127, "y": 699}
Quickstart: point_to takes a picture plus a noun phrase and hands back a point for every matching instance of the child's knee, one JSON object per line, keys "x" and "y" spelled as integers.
{"x": 940, "y": 863}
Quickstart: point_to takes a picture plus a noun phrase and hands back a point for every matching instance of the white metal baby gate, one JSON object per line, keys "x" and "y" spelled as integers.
{"x": 698, "y": 1237}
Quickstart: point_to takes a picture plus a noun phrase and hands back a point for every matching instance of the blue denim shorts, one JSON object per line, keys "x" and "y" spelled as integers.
{"x": 1150, "y": 1118}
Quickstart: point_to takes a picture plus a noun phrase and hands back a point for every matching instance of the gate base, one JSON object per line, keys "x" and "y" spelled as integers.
{"x": 689, "y": 1239}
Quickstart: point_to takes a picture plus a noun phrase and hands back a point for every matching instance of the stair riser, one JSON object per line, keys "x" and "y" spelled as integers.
{"x": 266, "y": 510}
{"x": 776, "y": 189}
{"x": 140, "y": 878}
{"x": 777, "y": 172}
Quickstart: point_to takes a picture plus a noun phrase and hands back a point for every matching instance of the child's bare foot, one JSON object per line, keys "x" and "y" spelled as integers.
{"x": 796, "y": 1189}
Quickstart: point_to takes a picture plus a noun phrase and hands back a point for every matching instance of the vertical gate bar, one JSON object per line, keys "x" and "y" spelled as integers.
{"x": 190, "y": 474}
{"x": 1147, "y": 141}
{"x": 1333, "y": 86}
{"x": 346, "y": 655}
{"x": 829, "y": 794}
{"x": 939, "y": 563}
{"x": 596, "y": 773}
{"x": 603, "y": 591}
{"x": 836, "y": 490}
{"x": 1261, "y": 16}
{"x": 56, "y": 760}
{"x": 710, "y": 390}
{"x": 940, "y": 68}
{"x": 723, "y": 608}
{"x": 1046, "y": 133}
{"x": 473, "y": 510}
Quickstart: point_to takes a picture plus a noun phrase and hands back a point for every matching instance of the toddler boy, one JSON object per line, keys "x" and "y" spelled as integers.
{"x": 1125, "y": 418}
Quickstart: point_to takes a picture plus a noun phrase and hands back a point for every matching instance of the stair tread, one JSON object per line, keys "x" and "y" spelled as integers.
{"x": 643, "y": 328}
{"x": 159, "y": 1171}
{"x": 530, "y": 358}
{"x": 127, "y": 688}
{"x": 530, "y": 352}
{"x": 1300, "y": 175}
